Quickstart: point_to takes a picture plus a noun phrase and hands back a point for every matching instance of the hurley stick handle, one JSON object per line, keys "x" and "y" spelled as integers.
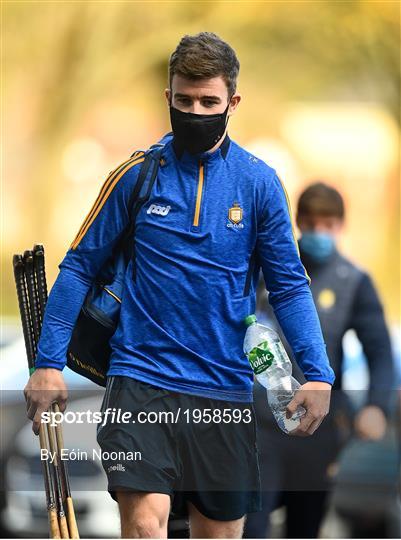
{"x": 63, "y": 527}
{"x": 72, "y": 523}
{"x": 53, "y": 524}
{"x": 51, "y": 503}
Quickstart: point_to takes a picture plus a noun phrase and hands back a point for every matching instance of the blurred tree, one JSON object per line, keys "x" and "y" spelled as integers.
{"x": 61, "y": 58}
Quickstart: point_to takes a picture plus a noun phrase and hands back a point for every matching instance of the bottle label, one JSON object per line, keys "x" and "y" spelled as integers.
{"x": 260, "y": 357}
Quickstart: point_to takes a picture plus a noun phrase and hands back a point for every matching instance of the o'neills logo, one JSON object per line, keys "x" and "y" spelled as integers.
{"x": 117, "y": 467}
{"x": 235, "y": 216}
{"x": 86, "y": 367}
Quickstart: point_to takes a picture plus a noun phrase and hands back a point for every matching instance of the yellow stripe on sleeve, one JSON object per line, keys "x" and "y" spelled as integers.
{"x": 99, "y": 197}
{"x": 105, "y": 192}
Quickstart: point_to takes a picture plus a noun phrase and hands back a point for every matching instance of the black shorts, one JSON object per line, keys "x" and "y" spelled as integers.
{"x": 189, "y": 447}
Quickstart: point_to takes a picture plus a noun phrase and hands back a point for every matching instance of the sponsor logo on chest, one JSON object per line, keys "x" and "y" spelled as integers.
{"x": 157, "y": 209}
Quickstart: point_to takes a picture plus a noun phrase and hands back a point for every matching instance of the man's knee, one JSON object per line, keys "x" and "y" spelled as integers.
{"x": 143, "y": 515}
{"x": 142, "y": 527}
{"x": 235, "y": 529}
{"x": 203, "y": 527}
{"x": 218, "y": 529}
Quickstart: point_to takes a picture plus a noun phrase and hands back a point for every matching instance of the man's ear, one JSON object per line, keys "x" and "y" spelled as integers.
{"x": 167, "y": 93}
{"x": 340, "y": 222}
{"x": 234, "y": 103}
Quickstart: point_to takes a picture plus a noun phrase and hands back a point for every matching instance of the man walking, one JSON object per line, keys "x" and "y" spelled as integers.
{"x": 216, "y": 215}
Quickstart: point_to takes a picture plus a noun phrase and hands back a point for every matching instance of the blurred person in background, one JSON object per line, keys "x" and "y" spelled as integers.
{"x": 294, "y": 472}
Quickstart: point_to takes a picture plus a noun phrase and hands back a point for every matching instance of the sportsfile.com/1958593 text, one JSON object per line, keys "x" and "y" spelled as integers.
{"x": 113, "y": 415}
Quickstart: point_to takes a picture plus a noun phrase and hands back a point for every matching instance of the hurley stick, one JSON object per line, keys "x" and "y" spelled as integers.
{"x": 22, "y": 295}
{"x": 40, "y": 274}
{"x": 36, "y": 327}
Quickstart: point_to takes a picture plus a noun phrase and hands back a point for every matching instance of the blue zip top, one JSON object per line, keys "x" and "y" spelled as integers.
{"x": 209, "y": 226}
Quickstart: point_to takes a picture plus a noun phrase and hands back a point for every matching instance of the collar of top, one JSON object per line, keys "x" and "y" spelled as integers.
{"x": 185, "y": 157}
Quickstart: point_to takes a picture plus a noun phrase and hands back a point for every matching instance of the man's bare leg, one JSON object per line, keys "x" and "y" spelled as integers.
{"x": 203, "y": 527}
{"x": 143, "y": 515}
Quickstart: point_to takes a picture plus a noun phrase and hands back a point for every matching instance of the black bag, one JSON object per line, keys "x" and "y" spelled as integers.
{"x": 89, "y": 351}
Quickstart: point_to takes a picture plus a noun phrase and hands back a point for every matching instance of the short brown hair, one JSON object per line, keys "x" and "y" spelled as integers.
{"x": 205, "y": 56}
{"x": 319, "y": 199}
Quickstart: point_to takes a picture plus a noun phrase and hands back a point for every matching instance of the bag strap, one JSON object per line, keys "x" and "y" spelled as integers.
{"x": 140, "y": 194}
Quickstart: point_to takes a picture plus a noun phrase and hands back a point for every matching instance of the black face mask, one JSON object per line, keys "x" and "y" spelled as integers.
{"x": 197, "y": 132}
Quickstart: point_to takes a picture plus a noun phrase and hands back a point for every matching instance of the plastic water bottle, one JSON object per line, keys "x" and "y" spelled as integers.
{"x": 272, "y": 369}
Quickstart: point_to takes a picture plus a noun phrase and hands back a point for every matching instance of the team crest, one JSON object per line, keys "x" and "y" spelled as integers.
{"x": 235, "y": 216}
{"x": 235, "y": 213}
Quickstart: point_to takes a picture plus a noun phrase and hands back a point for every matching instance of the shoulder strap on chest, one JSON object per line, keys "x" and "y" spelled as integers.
{"x": 141, "y": 193}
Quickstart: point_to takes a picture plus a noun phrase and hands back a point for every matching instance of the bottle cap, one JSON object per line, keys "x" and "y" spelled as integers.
{"x": 250, "y": 319}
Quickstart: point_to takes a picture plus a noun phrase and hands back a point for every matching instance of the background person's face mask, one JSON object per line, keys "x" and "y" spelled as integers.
{"x": 317, "y": 246}
{"x": 198, "y": 132}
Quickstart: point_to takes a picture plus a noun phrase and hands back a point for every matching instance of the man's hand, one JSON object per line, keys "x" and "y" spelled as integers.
{"x": 370, "y": 423}
{"x": 45, "y": 386}
{"x": 314, "y": 396}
